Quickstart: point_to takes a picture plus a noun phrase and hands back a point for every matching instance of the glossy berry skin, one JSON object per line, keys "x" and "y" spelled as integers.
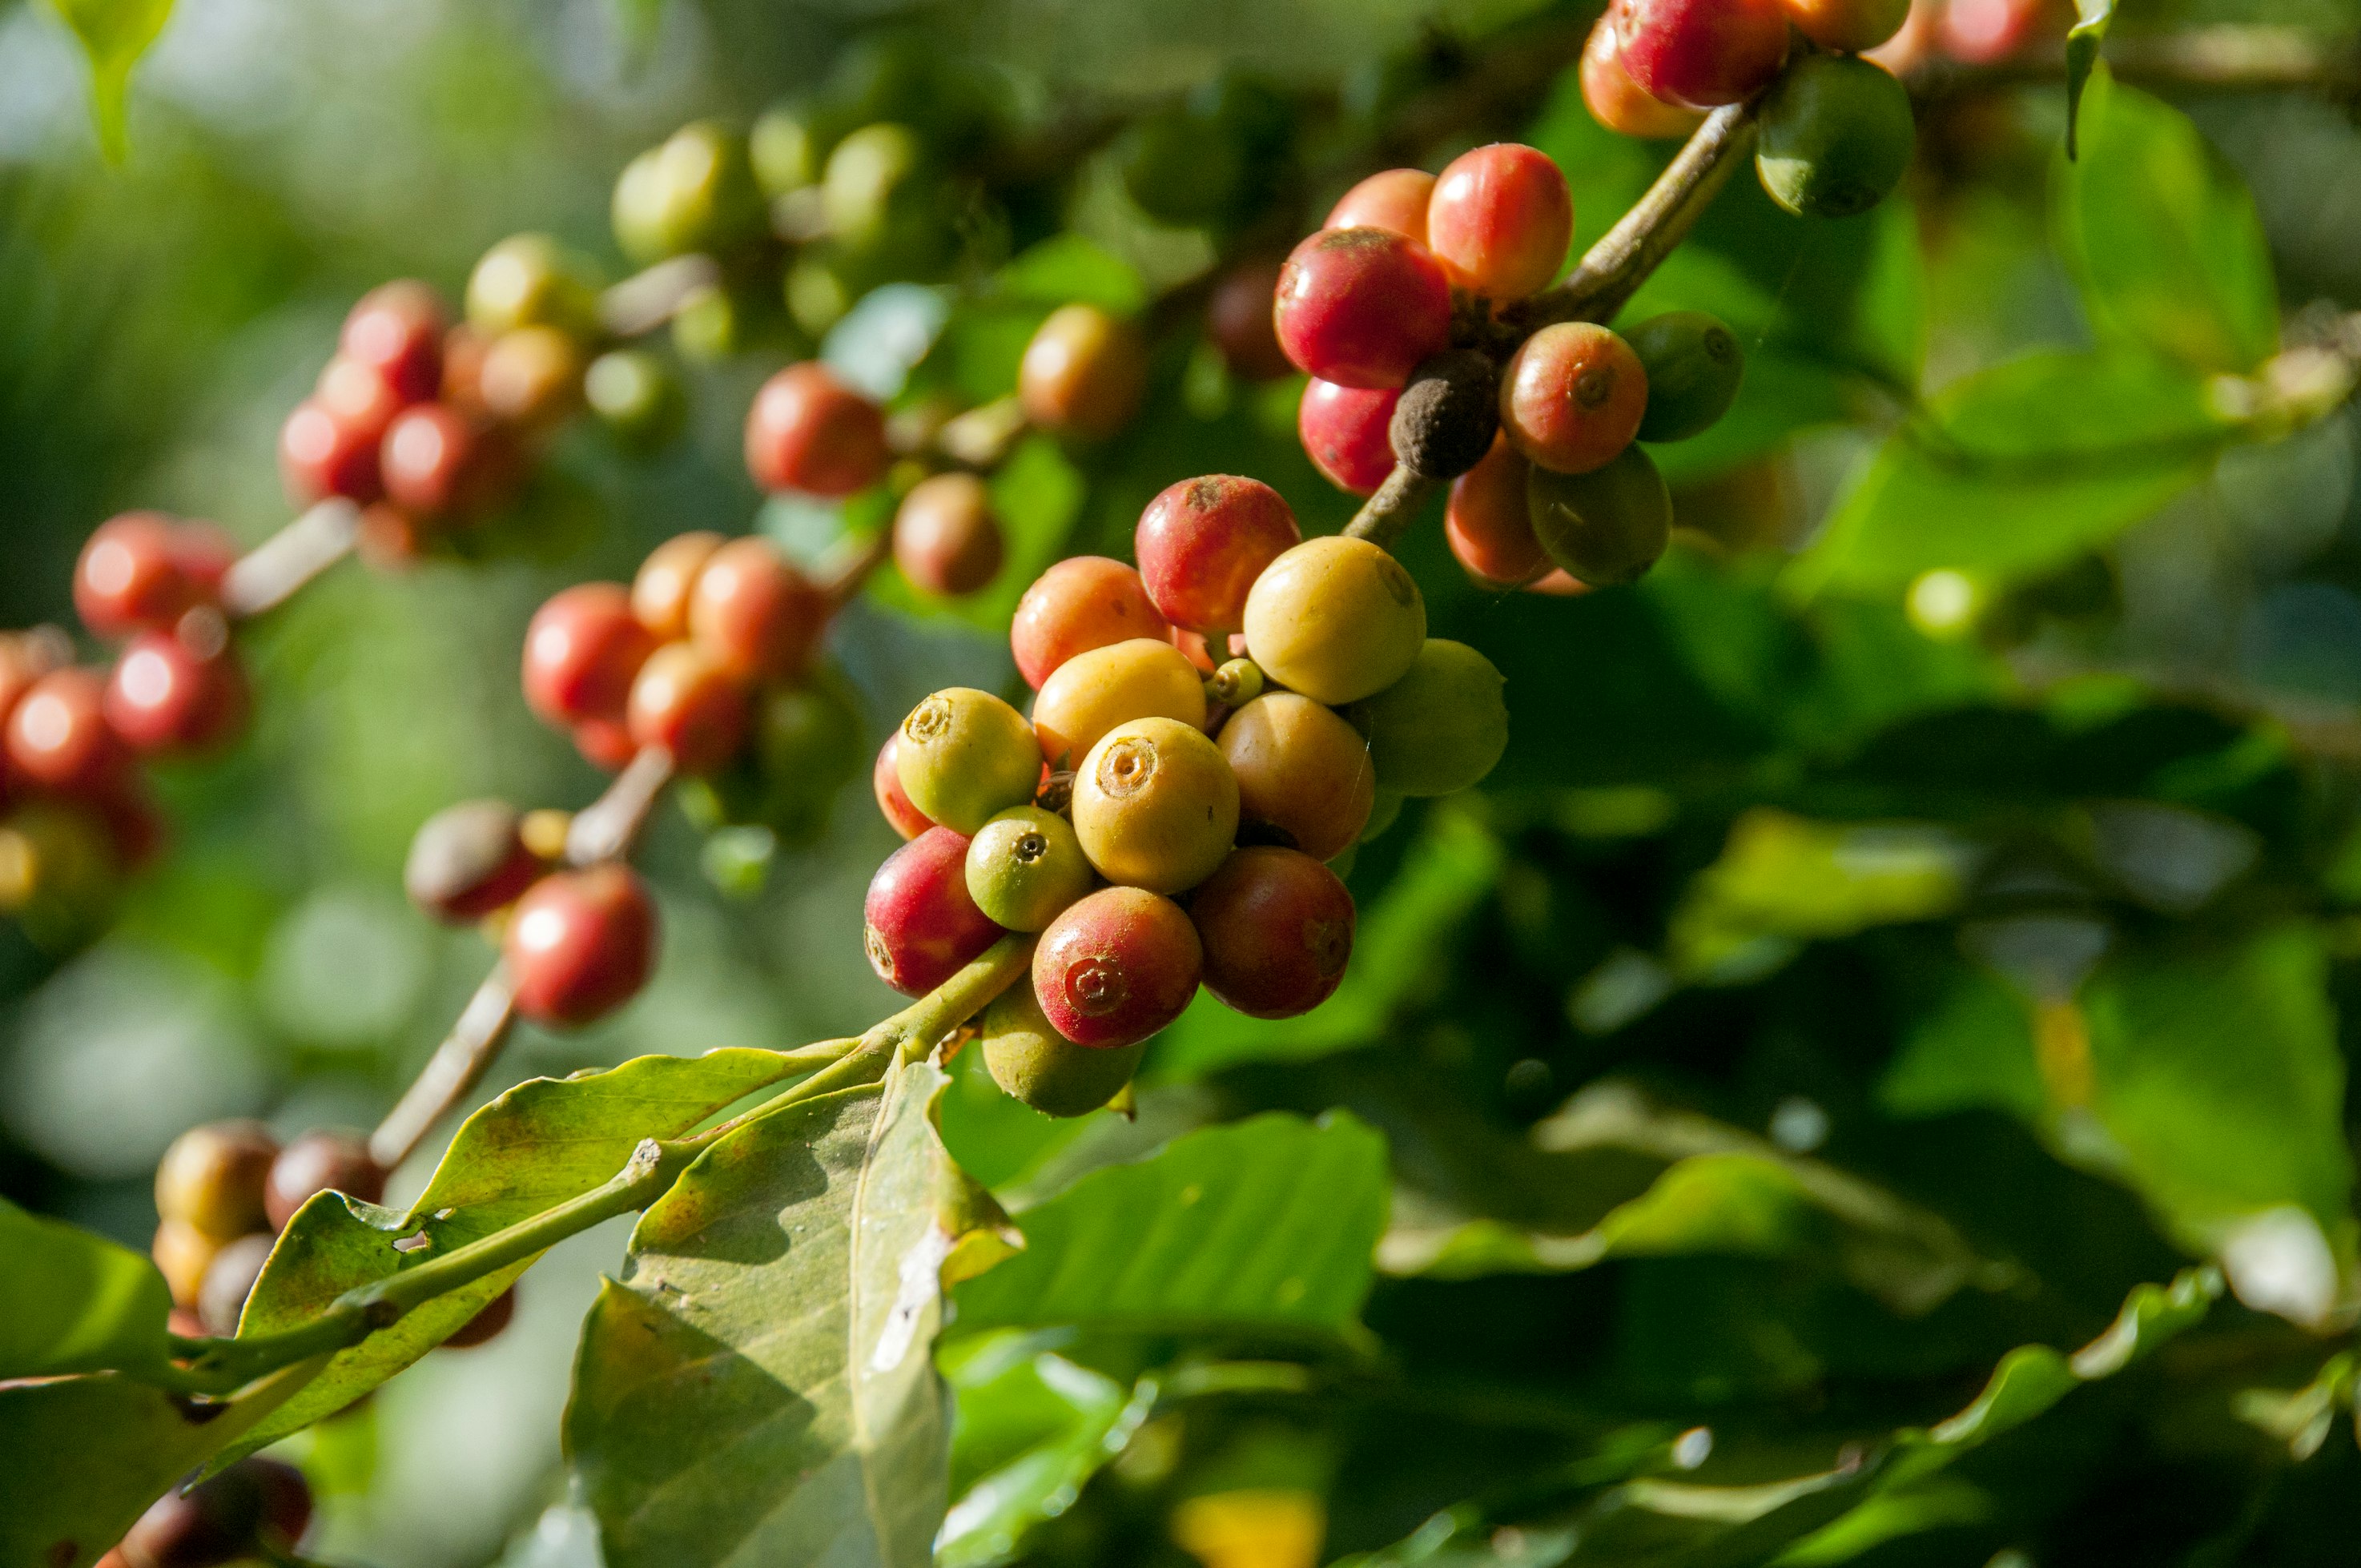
{"x": 947, "y": 537}
{"x": 1024, "y": 867}
{"x": 1694, "y": 365}
{"x": 58, "y": 736}
{"x": 1201, "y": 543}
{"x": 1082, "y": 603}
{"x": 809, "y": 431}
{"x": 213, "y": 1178}
{"x": 1302, "y": 772}
{"x": 922, "y": 927}
{"x": 1573, "y": 396}
{"x": 1837, "y": 136}
{"x": 1083, "y": 373}
{"x": 164, "y": 696}
{"x": 1092, "y": 693}
{"x": 527, "y": 280}
{"x": 1344, "y": 430}
{"x": 662, "y": 588}
{"x": 468, "y": 860}
{"x": 1500, "y": 219}
{"x": 1116, "y": 966}
{"x": 580, "y": 945}
{"x": 255, "y": 1505}
{"x": 322, "y": 1160}
{"x": 1486, "y": 525}
{"x": 1277, "y": 927}
{"x": 1701, "y": 54}
{"x": 321, "y": 455}
{"x": 229, "y": 1280}
{"x": 183, "y": 1254}
{"x": 1447, "y": 416}
{"x": 754, "y": 615}
{"x": 487, "y": 1324}
{"x": 1846, "y": 26}
{"x": 1607, "y": 526}
{"x": 1238, "y": 319}
{"x": 893, "y": 801}
{"x": 437, "y": 462}
{"x": 1617, "y": 102}
{"x": 1442, "y": 727}
{"x": 396, "y": 330}
{"x": 1036, "y": 1066}
{"x": 1395, "y": 200}
{"x": 1362, "y": 307}
{"x": 1336, "y": 618}
{"x": 134, "y": 573}
{"x": 1155, "y": 805}
{"x": 685, "y": 702}
{"x": 965, "y": 757}
{"x": 357, "y": 397}
{"x": 582, "y": 650}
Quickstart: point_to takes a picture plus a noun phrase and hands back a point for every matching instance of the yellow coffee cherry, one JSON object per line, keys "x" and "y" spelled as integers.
{"x": 965, "y": 757}
{"x": 1336, "y": 618}
{"x": 1155, "y": 805}
{"x": 1301, "y": 769}
{"x": 1092, "y": 693}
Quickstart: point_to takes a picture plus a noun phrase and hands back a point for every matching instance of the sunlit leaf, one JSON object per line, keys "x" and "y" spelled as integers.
{"x": 72, "y": 1301}
{"x": 1032, "y": 1428}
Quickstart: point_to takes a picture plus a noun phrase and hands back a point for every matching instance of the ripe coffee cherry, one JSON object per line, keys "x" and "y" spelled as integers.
{"x": 1116, "y": 966}
{"x": 229, "y": 1280}
{"x": 323, "y": 1160}
{"x": 1025, "y": 866}
{"x": 1039, "y": 1067}
{"x": 164, "y": 694}
{"x": 604, "y": 743}
{"x": 1082, "y": 603}
{"x": 580, "y": 945}
{"x": 360, "y": 399}
{"x": 1203, "y": 543}
{"x": 1302, "y": 770}
{"x": 807, "y": 431}
{"x": 1837, "y": 136}
{"x": 532, "y": 378}
{"x": 1083, "y": 373}
{"x": 695, "y": 191}
{"x": 922, "y": 927}
{"x": 582, "y": 650}
{"x": 321, "y": 455}
{"x": 1701, "y": 53}
{"x": 1092, "y": 693}
{"x": 1395, "y": 200}
{"x": 946, "y": 536}
{"x": 660, "y": 592}
{"x": 1500, "y": 219}
{"x": 1277, "y": 928}
{"x": 1573, "y": 397}
{"x": 1487, "y": 524}
{"x": 526, "y": 280}
{"x": 1981, "y": 32}
{"x": 1447, "y": 416}
{"x": 1347, "y": 434}
{"x": 754, "y": 615}
{"x": 636, "y": 397}
{"x": 1606, "y": 526}
{"x": 1362, "y": 307}
{"x": 965, "y": 757}
{"x": 1693, "y": 365}
{"x": 213, "y": 1178}
{"x": 468, "y": 860}
{"x": 436, "y": 462}
{"x": 133, "y": 574}
{"x": 462, "y": 369}
{"x": 256, "y": 1505}
{"x": 1848, "y": 26}
{"x": 396, "y": 330}
{"x": 1440, "y": 728}
{"x": 1155, "y": 805}
{"x": 1616, "y": 101}
{"x": 59, "y": 738}
{"x": 1336, "y": 618}
{"x": 485, "y": 1325}
{"x": 1238, "y": 317}
{"x": 893, "y": 803}
{"x": 683, "y": 701}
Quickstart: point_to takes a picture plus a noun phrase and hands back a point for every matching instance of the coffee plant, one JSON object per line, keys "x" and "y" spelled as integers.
{"x": 1603, "y": 911}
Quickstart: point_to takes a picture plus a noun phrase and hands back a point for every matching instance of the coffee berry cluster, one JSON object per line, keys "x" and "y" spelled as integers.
{"x": 255, "y": 1511}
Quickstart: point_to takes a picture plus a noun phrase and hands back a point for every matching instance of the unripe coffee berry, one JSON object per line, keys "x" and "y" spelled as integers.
{"x": 322, "y": 1160}
{"x": 1607, "y": 526}
{"x": 1573, "y": 396}
{"x": 806, "y": 744}
{"x": 1693, "y": 365}
{"x": 1116, "y": 966}
{"x": 1347, "y": 434}
{"x": 1092, "y": 693}
{"x": 213, "y": 1178}
{"x": 685, "y": 702}
{"x": 1500, "y": 219}
{"x": 229, "y": 1280}
{"x": 966, "y": 756}
{"x": 580, "y": 945}
{"x": 1301, "y": 771}
{"x": 1487, "y": 524}
{"x": 532, "y": 378}
{"x": 807, "y": 431}
{"x": 1447, "y": 416}
{"x": 1083, "y": 373}
{"x": 1616, "y": 101}
{"x": 396, "y": 330}
{"x": 181, "y": 1254}
{"x": 893, "y": 801}
{"x": 695, "y": 192}
{"x": 1701, "y": 53}
{"x": 947, "y": 537}
{"x": 1336, "y": 618}
{"x": 753, "y": 614}
{"x": 321, "y": 455}
{"x": 1277, "y": 927}
{"x": 166, "y": 696}
{"x": 1837, "y": 136}
{"x": 1238, "y": 318}
{"x": 920, "y": 924}
{"x": 468, "y": 860}
{"x": 58, "y": 736}
{"x": 527, "y": 280}
{"x": 1395, "y": 200}
{"x": 487, "y": 1324}
{"x": 1848, "y": 26}
{"x": 131, "y": 576}
{"x": 1036, "y": 1066}
{"x": 1025, "y": 866}
{"x": 1201, "y": 543}
{"x": 1082, "y": 603}
{"x": 1442, "y": 727}
{"x": 1362, "y": 307}
{"x": 582, "y": 650}
{"x": 1234, "y": 682}
{"x": 60, "y": 869}
{"x": 635, "y": 396}
{"x": 660, "y": 590}
{"x": 1155, "y": 805}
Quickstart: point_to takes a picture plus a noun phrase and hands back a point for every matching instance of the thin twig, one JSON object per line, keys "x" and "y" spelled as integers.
{"x": 1384, "y": 516}
{"x": 607, "y": 827}
{"x": 647, "y": 300}
{"x": 457, "y": 1065}
{"x": 268, "y": 575}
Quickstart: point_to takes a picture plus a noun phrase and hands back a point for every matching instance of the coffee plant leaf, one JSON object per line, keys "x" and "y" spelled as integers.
{"x": 1033, "y": 1428}
{"x": 113, "y": 35}
{"x": 72, "y": 1301}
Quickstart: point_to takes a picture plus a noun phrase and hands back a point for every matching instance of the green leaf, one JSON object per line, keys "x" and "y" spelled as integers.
{"x": 1265, "y": 1225}
{"x": 759, "y": 1387}
{"x": 2082, "y": 41}
{"x": 1033, "y": 1427}
{"x": 2164, "y": 238}
{"x": 70, "y": 1301}
{"x": 1071, "y": 268}
{"x": 114, "y": 34}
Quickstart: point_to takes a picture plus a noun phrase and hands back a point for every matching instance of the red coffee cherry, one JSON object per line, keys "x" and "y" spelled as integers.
{"x": 946, "y": 535}
{"x": 322, "y": 1160}
{"x": 1487, "y": 524}
{"x": 1394, "y": 199}
{"x": 390, "y": 540}
{"x": 1500, "y": 219}
{"x": 1277, "y": 927}
{"x": 1984, "y": 32}
{"x": 582, "y": 651}
{"x": 580, "y": 944}
{"x": 164, "y": 694}
{"x": 755, "y": 616}
{"x": 133, "y": 574}
{"x": 58, "y": 735}
{"x": 921, "y": 925}
{"x": 1116, "y": 966}
{"x": 683, "y": 701}
{"x": 1701, "y": 53}
{"x": 204, "y": 552}
{"x": 1344, "y": 431}
{"x": 254, "y": 1505}
{"x": 1302, "y": 770}
{"x": 1203, "y": 543}
{"x": 134, "y": 826}
{"x": 1616, "y": 101}
{"x": 436, "y": 462}
{"x": 1573, "y": 396}
{"x": 1082, "y": 603}
{"x": 357, "y": 397}
{"x": 1362, "y": 307}
{"x": 1848, "y": 26}
{"x": 893, "y": 800}
{"x": 604, "y": 743}
{"x": 1083, "y": 373}
{"x": 319, "y": 456}
{"x": 213, "y": 1178}
{"x": 487, "y": 1324}
{"x": 807, "y": 431}
{"x": 468, "y": 860}
{"x": 1238, "y": 317}
{"x": 464, "y": 350}
{"x": 397, "y": 330}
{"x": 660, "y": 593}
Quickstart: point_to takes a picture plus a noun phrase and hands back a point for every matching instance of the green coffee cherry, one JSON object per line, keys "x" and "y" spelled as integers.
{"x": 1607, "y": 526}
{"x": 695, "y": 192}
{"x": 1440, "y": 728}
{"x": 1033, "y": 1063}
{"x": 527, "y": 280}
{"x": 878, "y": 186}
{"x": 636, "y": 396}
{"x": 789, "y": 147}
{"x": 966, "y": 757}
{"x": 718, "y": 320}
{"x": 1837, "y": 134}
{"x": 1694, "y": 367}
{"x": 1025, "y": 866}
{"x": 1383, "y": 812}
{"x": 59, "y": 877}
